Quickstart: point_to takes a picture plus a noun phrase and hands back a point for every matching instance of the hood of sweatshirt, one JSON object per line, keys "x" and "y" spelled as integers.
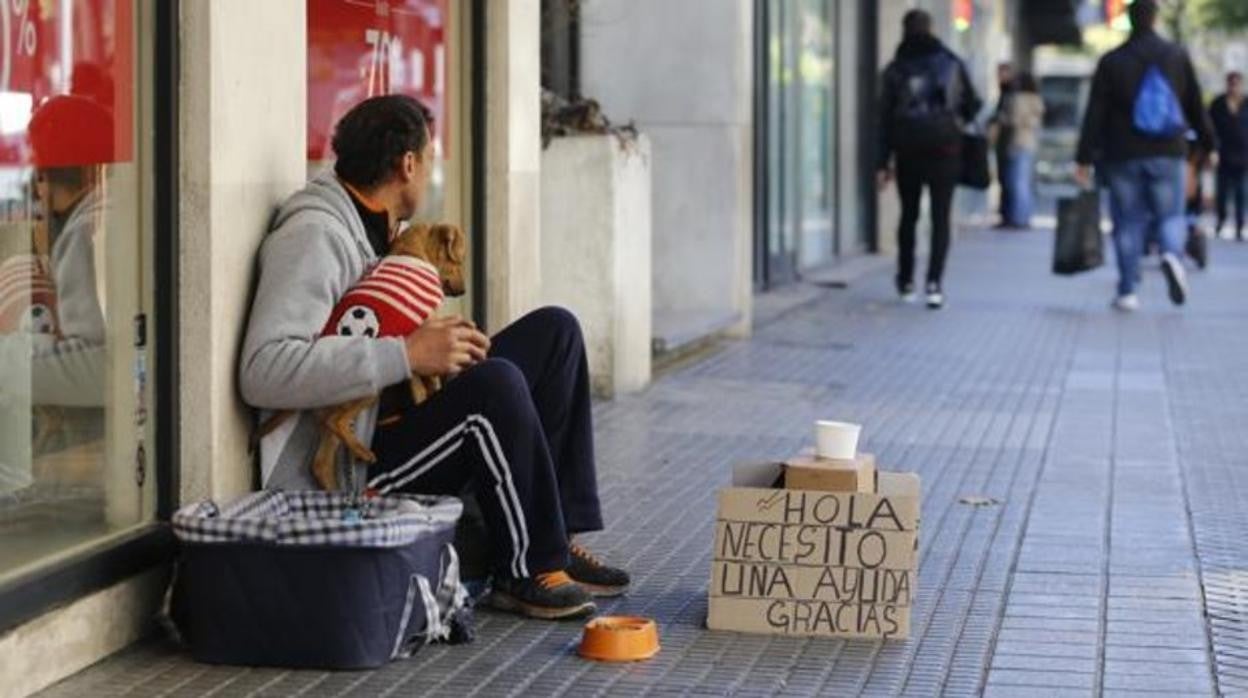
{"x": 325, "y": 195}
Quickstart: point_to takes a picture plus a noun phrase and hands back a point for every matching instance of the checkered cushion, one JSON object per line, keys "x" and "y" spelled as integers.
{"x": 316, "y": 518}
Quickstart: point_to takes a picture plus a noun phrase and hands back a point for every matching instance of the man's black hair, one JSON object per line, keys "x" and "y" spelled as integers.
{"x": 371, "y": 139}
{"x": 1235, "y": 75}
{"x": 1143, "y": 13}
{"x": 916, "y": 23}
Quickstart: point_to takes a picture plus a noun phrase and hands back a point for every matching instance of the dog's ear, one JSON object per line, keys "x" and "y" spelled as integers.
{"x": 409, "y": 241}
{"x": 451, "y": 239}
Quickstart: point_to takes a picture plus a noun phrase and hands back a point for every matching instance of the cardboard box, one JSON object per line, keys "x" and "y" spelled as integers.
{"x": 809, "y": 562}
{"x": 809, "y": 472}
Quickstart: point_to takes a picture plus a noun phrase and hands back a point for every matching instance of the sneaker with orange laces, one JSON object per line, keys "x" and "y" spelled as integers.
{"x": 550, "y": 595}
{"x": 595, "y": 575}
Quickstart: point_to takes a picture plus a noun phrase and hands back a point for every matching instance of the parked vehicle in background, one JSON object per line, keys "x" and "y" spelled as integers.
{"x": 1065, "y": 81}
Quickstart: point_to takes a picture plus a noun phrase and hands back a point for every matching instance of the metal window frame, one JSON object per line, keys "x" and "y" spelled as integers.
{"x": 561, "y": 47}
{"x": 762, "y": 201}
{"x": 868, "y": 97}
{"x": 476, "y": 126}
{"x": 151, "y": 545}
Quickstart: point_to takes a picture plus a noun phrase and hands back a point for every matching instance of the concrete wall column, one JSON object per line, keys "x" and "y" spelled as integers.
{"x": 513, "y": 159}
{"x": 596, "y": 251}
{"x": 683, "y": 71}
{"x": 242, "y": 150}
{"x": 850, "y": 197}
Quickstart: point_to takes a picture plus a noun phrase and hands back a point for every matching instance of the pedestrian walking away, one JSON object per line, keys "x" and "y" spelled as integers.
{"x": 1024, "y": 114}
{"x": 1230, "y": 122}
{"x": 927, "y": 101}
{"x": 1144, "y": 100}
{"x": 1197, "y": 245}
{"x": 1003, "y": 139}
{"x": 512, "y": 425}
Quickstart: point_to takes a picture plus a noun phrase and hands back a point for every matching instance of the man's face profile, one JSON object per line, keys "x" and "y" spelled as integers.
{"x": 418, "y": 170}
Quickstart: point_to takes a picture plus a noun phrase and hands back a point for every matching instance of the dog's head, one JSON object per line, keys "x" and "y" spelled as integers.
{"x": 443, "y": 245}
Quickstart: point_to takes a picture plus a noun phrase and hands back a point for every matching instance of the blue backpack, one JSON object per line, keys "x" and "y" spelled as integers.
{"x": 1156, "y": 112}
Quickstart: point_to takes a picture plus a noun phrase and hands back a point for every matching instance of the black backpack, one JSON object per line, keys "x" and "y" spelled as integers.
{"x": 925, "y": 114}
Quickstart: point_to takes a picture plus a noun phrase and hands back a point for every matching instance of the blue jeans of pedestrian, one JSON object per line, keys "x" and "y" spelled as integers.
{"x": 1019, "y": 170}
{"x": 1145, "y": 193}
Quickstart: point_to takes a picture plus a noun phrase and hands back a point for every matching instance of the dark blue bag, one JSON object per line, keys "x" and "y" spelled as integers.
{"x": 1156, "y": 112}
{"x": 317, "y": 579}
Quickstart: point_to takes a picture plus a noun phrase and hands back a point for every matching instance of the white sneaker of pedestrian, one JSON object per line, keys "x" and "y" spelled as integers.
{"x": 935, "y": 299}
{"x": 1176, "y": 278}
{"x": 907, "y": 293}
{"x": 1127, "y": 304}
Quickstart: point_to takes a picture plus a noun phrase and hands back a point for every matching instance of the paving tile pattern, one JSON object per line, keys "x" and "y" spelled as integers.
{"x": 1207, "y": 376}
{"x": 1112, "y": 445}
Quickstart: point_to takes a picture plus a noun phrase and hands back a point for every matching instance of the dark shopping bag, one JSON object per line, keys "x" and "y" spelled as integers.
{"x": 1197, "y": 246}
{"x": 975, "y": 172}
{"x": 1078, "y": 245}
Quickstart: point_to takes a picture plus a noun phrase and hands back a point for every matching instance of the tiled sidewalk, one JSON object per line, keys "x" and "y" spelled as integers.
{"x": 1113, "y": 445}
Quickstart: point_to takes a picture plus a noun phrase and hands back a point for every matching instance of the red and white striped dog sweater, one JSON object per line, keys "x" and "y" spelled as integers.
{"x": 392, "y": 299}
{"x": 27, "y": 296}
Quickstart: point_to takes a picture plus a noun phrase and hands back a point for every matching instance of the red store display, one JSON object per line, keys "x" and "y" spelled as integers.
{"x": 83, "y": 48}
{"x": 363, "y": 48}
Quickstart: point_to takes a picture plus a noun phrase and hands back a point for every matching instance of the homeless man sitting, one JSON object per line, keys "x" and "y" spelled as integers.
{"x": 513, "y": 422}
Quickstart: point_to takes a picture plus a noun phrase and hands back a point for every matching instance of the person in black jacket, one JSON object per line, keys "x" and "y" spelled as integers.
{"x": 1004, "y": 141}
{"x": 1230, "y": 121}
{"x": 1143, "y": 169}
{"x": 927, "y": 99}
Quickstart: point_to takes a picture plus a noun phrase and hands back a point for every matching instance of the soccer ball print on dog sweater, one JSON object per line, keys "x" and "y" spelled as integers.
{"x": 392, "y": 300}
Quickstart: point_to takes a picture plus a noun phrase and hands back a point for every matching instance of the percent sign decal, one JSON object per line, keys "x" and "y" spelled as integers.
{"x": 27, "y": 38}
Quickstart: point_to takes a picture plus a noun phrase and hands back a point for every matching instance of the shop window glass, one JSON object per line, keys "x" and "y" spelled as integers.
{"x": 801, "y": 137}
{"x": 75, "y": 276}
{"x": 817, "y": 113}
{"x": 358, "y": 50}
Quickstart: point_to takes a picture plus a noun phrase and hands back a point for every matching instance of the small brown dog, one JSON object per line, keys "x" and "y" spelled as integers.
{"x": 425, "y": 264}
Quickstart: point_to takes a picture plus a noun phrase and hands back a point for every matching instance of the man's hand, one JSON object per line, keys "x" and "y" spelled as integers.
{"x": 445, "y": 346}
{"x": 1083, "y": 176}
{"x": 883, "y": 176}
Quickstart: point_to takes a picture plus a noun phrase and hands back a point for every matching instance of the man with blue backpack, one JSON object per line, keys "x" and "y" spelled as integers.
{"x": 1145, "y": 100}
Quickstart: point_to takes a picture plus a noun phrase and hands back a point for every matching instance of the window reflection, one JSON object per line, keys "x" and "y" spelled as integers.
{"x": 71, "y": 280}
{"x": 360, "y": 50}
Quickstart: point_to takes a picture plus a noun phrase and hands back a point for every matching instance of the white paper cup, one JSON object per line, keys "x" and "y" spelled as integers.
{"x": 836, "y": 439}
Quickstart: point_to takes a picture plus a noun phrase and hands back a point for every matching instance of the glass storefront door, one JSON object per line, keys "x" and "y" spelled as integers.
{"x": 76, "y": 277}
{"x": 817, "y": 117}
{"x": 782, "y": 182}
{"x": 798, "y": 126}
{"x": 414, "y": 47}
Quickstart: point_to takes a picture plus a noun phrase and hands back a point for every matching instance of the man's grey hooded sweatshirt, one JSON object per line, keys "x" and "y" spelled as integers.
{"x": 316, "y": 251}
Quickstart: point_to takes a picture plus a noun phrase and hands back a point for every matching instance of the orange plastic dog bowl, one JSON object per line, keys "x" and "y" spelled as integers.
{"x": 619, "y": 639}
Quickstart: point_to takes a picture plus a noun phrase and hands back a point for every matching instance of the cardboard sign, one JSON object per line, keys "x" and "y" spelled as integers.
{"x": 801, "y": 562}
